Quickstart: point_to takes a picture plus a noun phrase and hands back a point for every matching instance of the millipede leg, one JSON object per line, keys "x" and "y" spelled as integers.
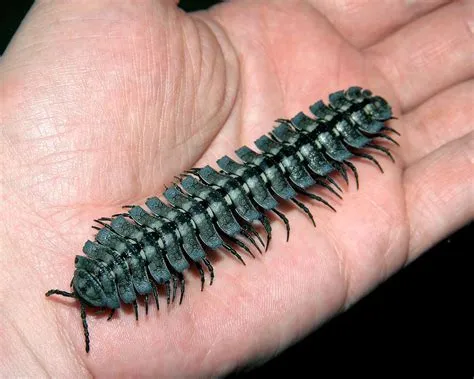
{"x": 370, "y": 158}
{"x": 328, "y": 187}
{"x": 182, "y": 176}
{"x": 315, "y": 197}
{"x": 273, "y": 137}
{"x": 210, "y": 269}
{"x": 135, "y": 307}
{"x": 60, "y": 292}
{"x": 249, "y": 228}
{"x": 250, "y": 238}
{"x": 354, "y": 170}
{"x": 146, "y": 304}
{"x": 155, "y": 295}
{"x": 340, "y": 168}
{"x": 305, "y": 209}
{"x": 241, "y": 245}
{"x": 285, "y": 220}
{"x": 382, "y": 149}
{"x": 112, "y": 312}
{"x": 168, "y": 292}
{"x": 99, "y": 221}
{"x": 183, "y": 287}
{"x": 201, "y": 274}
{"x": 388, "y": 138}
{"x": 287, "y": 122}
{"x": 333, "y": 182}
{"x": 389, "y": 129}
{"x": 175, "y": 287}
{"x": 234, "y": 253}
{"x": 85, "y": 326}
{"x": 190, "y": 172}
{"x": 104, "y": 219}
{"x": 121, "y": 214}
{"x": 268, "y": 228}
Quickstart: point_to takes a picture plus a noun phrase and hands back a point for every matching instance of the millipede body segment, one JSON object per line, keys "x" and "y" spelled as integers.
{"x": 208, "y": 209}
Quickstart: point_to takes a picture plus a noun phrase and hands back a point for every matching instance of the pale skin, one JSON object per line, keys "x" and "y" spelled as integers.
{"x": 102, "y": 103}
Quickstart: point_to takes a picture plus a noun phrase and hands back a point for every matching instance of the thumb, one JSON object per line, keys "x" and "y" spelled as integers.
{"x": 104, "y": 94}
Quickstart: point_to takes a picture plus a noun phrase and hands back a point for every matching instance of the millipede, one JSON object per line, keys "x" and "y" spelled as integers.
{"x": 137, "y": 251}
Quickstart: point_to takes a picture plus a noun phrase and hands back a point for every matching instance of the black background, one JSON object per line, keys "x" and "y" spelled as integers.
{"x": 417, "y": 321}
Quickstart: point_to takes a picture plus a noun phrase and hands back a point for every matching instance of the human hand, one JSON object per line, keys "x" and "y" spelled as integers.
{"x": 103, "y": 103}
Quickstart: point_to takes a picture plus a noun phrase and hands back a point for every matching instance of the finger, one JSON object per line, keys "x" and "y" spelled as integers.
{"x": 363, "y": 23}
{"x": 44, "y": 17}
{"x": 440, "y": 194}
{"x": 428, "y": 55}
{"x": 439, "y": 120}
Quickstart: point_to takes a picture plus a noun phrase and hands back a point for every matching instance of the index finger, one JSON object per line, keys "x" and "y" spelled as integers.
{"x": 428, "y": 55}
{"x": 363, "y": 23}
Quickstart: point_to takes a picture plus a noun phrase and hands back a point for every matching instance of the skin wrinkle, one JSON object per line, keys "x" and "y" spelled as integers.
{"x": 328, "y": 21}
{"x": 222, "y": 99}
{"x": 70, "y": 346}
{"x": 373, "y": 58}
{"x": 180, "y": 92}
{"x": 41, "y": 225}
{"x": 376, "y": 58}
{"x": 46, "y": 160}
{"x": 264, "y": 43}
{"x": 203, "y": 359}
{"x": 189, "y": 58}
{"x": 213, "y": 24}
{"x": 381, "y": 35}
{"x": 375, "y": 206}
{"x": 12, "y": 144}
{"x": 429, "y": 138}
{"x": 152, "y": 63}
{"x": 160, "y": 129}
{"x": 187, "y": 137}
{"x": 330, "y": 234}
{"x": 65, "y": 335}
{"x": 38, "y": 181}
{"x": 208, "y": 355}
{"x": 406, "y": 211}
{"x": 135, "y": 108}
{"x": 6, "y": 320}
{"x": 118, "y": 120}
{"x": 166, "y": 104}
{"x": 239, "y": 102}
{"x": 63, "y": 215}
{"x": 339, "y": 67}
{"x": 417, "y": 232}
{"x": 141, "y": 111}
{"x": 392, "y": 245}
{"x": 265, "y": 17}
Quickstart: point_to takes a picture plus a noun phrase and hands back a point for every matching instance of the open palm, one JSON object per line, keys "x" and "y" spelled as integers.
{"x": 103, "y": 103}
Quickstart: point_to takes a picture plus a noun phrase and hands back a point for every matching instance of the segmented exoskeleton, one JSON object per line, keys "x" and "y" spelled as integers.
{"x": 142, "y": 248}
